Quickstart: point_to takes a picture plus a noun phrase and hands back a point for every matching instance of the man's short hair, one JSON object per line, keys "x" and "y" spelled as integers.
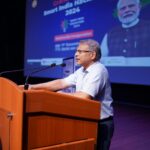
{"x": 119, "y": 1}
{"x": 93, "y": 46}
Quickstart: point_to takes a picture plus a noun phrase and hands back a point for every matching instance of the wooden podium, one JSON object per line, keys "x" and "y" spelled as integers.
{"x": 44, "y": 120}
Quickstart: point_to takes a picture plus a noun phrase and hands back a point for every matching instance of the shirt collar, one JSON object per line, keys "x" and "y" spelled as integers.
{"x": 90, "y": 67}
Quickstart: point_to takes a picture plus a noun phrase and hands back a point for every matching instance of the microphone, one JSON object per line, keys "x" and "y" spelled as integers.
{"x": 10, "y": 71}
{"x": 31, "y": 69}
{"x": 26, "y": 85}
{"x": 63, "y": 65}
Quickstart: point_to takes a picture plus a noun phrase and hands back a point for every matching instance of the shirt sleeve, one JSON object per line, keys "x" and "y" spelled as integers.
{"x": 72, "y": 78}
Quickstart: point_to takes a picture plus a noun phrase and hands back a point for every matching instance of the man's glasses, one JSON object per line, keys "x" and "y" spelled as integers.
{"x": 82, "y": 51}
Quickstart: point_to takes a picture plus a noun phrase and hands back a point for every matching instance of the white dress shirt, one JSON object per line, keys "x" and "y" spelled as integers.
{"x": 95, "y": 82}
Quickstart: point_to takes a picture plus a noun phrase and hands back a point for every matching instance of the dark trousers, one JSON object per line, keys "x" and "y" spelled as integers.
{"x": 105, "y": 133}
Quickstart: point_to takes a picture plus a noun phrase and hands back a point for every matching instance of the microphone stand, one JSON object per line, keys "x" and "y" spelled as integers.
{"x": 26, "y": 85}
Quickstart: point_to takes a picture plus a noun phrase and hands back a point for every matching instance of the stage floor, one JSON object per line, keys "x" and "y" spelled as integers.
{"x": 132, "y": 128}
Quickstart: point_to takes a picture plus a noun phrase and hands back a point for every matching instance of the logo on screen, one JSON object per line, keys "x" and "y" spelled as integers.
{"x": 64, "y": 25}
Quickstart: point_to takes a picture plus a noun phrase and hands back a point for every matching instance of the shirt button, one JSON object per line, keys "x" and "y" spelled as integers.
{"x": 124, "y": 51}
{"x": 125, "y": 40}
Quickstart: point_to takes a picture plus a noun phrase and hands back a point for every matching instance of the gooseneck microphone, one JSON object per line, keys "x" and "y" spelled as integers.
{"x": 10, "y": 71}
{"x": 20, "y": 70}
{"x": 26, "y": 85}
{"x": 33, "y": 71}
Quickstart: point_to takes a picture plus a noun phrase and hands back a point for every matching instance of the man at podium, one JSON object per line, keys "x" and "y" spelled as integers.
{"x": 92, "y": 82}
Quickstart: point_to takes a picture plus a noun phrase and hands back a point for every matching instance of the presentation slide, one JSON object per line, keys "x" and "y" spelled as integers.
{"x": 55, "y": 27}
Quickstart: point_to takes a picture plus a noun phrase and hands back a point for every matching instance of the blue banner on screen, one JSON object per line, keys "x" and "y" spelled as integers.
{"x": 55, "y": 27}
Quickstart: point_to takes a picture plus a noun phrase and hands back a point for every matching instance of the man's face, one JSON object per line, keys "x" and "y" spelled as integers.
{"x": 128, "y": 11}
{"x": 84, "y": 56}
